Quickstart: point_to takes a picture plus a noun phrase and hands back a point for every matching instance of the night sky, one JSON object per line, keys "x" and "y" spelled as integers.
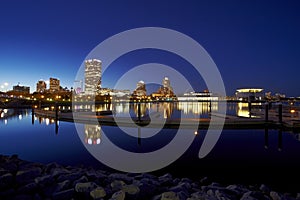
{"x": 253, "y": 43}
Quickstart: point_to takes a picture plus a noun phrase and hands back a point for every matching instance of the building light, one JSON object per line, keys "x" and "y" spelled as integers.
{"x": 293, "y": 111}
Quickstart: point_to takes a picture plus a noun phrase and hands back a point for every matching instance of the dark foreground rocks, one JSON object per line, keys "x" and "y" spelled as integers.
{"x": 24, "y": 180}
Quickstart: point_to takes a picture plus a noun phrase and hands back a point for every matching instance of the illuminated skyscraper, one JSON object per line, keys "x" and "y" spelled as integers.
{"x": 166, "y": 83}
{"x": 41, "y": 86}
{"x": 92, "y": 76}
{"x": 166, "y": 89}
{"x": 54, "y": 85}
{"x": 140, "y": 90}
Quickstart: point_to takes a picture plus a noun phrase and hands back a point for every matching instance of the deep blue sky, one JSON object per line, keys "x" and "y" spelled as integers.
{"x": 253, "y": 43}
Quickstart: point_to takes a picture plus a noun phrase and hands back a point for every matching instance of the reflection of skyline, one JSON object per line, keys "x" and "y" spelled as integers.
{"x": 6, "y": 114}
{"x": 46, "y": 120}
{"x": 242, "y": 109}
{"x": 93, "y": 107}
{"x": 197, "y": 107}
{"x": 92, "y": 134}
{"x": 144, "y": 107}
{"x": 166, "y": 108}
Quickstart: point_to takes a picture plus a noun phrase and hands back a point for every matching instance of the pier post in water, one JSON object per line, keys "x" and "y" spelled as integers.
{"x": 56, "y": 111}
{"x": 266, "y": 138}
{"x": 56, "y": 117}
{"x": 266, "y": 112}
{"x": 280, "y": 113}
{"x": 32, "y": 114}
{"x": 139, "y": 111}
{"x": 139, "y": 136}
{"x": 249, "y": 107}
{"x": 280, "y": 139}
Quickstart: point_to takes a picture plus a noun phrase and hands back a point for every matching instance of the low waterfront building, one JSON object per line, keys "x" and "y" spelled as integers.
{"x": 21, "y": 89}
{"x": 198, "y": 96}
{"x": 249, "y": 94}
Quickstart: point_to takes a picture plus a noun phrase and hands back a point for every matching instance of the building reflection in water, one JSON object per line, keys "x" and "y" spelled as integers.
{"x": 92, "y": 134}
{"x": 243, "y": 110}
{"x": 197, "y": 107}
{"x": 140, "y": 109}
{"x": 166, "y": 108}
{"x": 120, "y": 108}
{"x": 92, "y": 107}
{"x": 46, "y": 120}
{"x": 144, "y": 109}
{"x": 6, "y": 114}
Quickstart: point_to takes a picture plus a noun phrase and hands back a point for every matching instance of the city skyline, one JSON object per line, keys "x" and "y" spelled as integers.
{"x": 254, "y": 44}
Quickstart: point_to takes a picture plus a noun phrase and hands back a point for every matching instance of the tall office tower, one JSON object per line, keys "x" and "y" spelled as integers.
{"x": 166, "y": 89}
{"x": 41, "y": 86}
{"x": 54, "y": 84}
{"x": 92, "y": 76}
{"x": 166, "y": 83}
{"x": 140, "y": 89}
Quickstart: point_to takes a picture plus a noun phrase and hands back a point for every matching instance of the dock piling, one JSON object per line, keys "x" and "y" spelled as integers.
{"x": 139, "y": 112}
{"x": 280, "y": 113}
{"x": 32, "y": 115}
{"x": 266, "y": 112}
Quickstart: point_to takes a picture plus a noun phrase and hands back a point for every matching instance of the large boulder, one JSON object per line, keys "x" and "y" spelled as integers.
{"x": 6, "y": 180}
{"x": 169, "y": 196}
{"x": 120, "y": 195}
{"x": 27, "y": 176}
{"x": 98, "y": 193}
{"x": 44, "y": 180}
{"x": 63, "y": 195}
{"x": 85, "y": 187}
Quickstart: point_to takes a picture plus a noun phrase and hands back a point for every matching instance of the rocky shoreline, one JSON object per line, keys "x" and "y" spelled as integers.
{"x": 22, "y": 180}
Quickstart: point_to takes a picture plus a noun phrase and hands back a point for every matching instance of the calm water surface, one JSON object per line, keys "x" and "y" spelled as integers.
{"x": 240, "y": 156}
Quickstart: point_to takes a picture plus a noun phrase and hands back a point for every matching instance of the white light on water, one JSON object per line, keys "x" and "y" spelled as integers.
{"x": 20, "y": 117}
{"x": 90, "y": 141}
{"x": 5, "y": 121}
{"x": 47, "y": 121}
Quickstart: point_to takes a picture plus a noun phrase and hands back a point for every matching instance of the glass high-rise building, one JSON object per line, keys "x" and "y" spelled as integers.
{"x": 41, "y": 86}
{"x": 92, "y": 76}
{"x": 54, "y": 85}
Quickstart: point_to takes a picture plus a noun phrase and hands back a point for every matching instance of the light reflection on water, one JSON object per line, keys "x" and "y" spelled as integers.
{"x": 174, "y": 109}
{"x": 237, "y": 151}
